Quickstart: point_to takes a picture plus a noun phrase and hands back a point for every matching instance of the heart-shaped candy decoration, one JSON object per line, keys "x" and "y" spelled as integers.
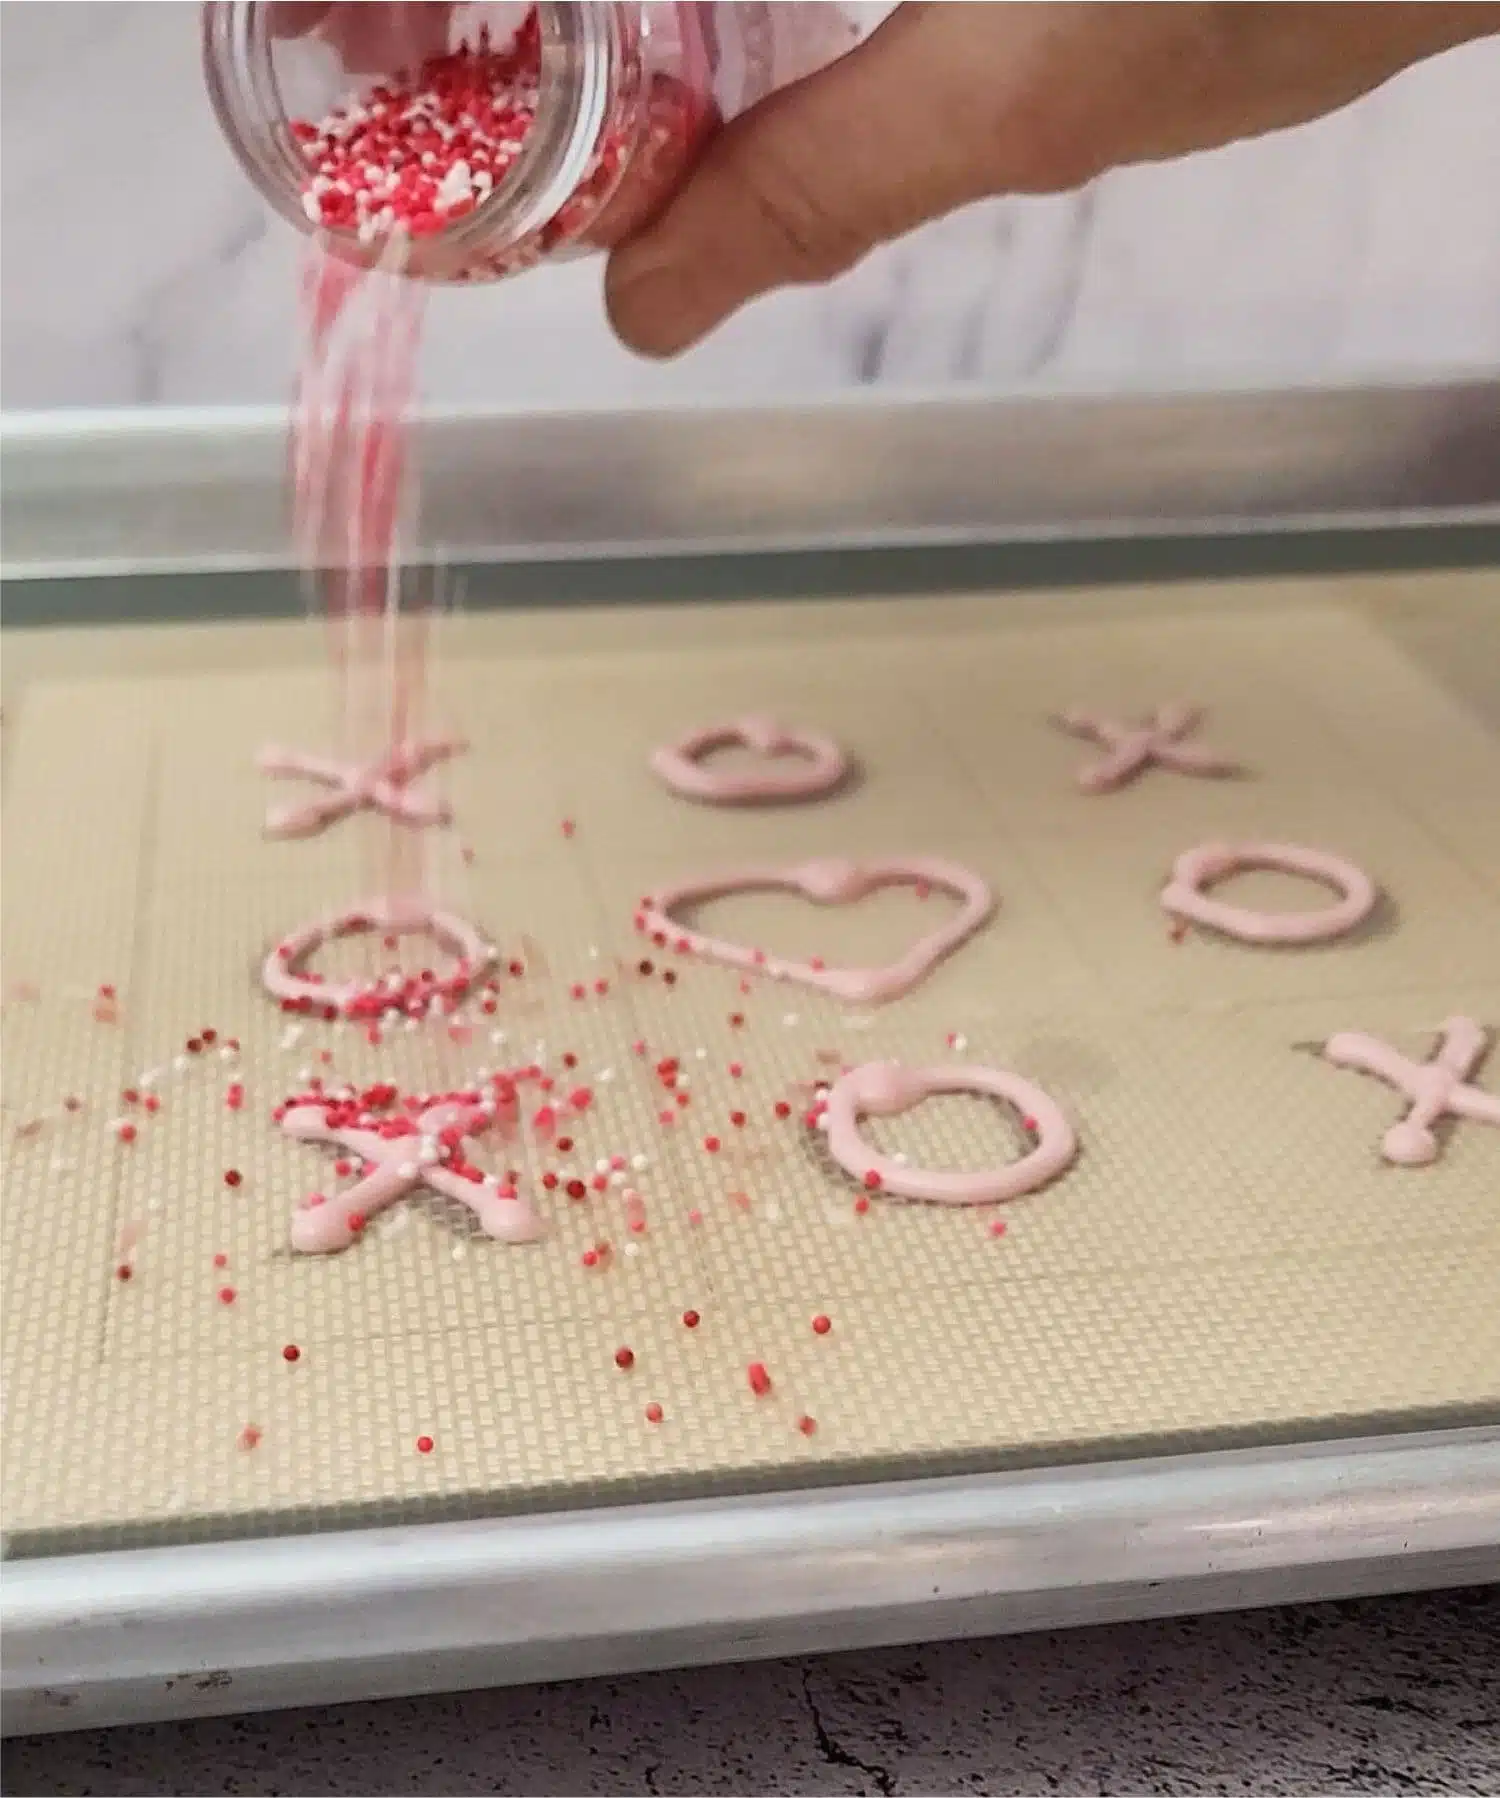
{"x": 884, "y": 1088}
{"x": 795, "y": 764}
{"x": 828, "y": 882}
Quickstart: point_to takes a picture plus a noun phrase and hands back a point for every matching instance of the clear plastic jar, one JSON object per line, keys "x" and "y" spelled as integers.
{"x": 524, "y": 134}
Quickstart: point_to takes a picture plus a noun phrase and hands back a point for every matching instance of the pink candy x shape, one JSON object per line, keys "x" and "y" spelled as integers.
{"x": 380, "y": 786}
{"x": 1436, "y": 1088}
{"x": 395, "y": 1167}
{"x": 1130, "y": 748}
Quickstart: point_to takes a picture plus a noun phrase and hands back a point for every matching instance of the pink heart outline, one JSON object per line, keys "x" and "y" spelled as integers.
{"x": 829, "y": 881}
{"x": 820, "y": 766}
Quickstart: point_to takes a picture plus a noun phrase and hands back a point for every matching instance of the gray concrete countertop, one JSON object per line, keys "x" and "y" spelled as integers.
{"x": 1391, "y": 1695}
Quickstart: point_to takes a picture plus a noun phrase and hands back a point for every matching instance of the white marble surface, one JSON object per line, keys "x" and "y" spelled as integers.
{"x": 139, "y": 267}
{"x": 1397, "y": 1695}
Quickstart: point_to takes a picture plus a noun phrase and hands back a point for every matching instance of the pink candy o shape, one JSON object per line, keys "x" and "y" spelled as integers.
{"x": 282, "y": 971}
{"x": 1184, "y": 898}
{"x": 1131, "y": 748}
{"x": 395, "y": 1167}
{"x": 380, "y": 786}
{"x": 885, "y": 1088}
{"x": 830, "y": 882}
{"x": 1436, "y": 1089}
{"x": 795, "y": 764}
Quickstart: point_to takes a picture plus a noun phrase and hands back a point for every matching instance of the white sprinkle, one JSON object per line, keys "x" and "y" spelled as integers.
{"x": 460, "y": 1249}
{"x": 639, "y": 1163}
{"x": 617, "y": 1179}
{"x": 791, "y": 1020}
{"x": 497, "y": 1037}
{"x": 291, "y": 1036}
{"x": 408, "y": 1170}
{"x": 601, "y": 1166}
{"x": 632, "y": 1249}
{"x": 304, "y": 1075}
{"x": 149, "y": 1078}
{"x": 700, "y": 1054}
{"x": 959, "y": 1044}
{"x": 226, "y": 1053}
{"x": 593, "y": 952}
{"x": 604, "y": 1076}
{"x": 180, "y": 1063}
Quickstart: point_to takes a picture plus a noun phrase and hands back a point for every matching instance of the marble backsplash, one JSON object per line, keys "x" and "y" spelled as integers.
{"x": 140, "y": 269}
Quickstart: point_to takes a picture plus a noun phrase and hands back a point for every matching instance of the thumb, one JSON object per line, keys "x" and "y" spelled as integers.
{"x": 800, "y": 188}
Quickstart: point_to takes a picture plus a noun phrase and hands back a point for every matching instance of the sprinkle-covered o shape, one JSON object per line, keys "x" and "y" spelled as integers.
{"x": 830, "y": 881}
{"x": 886, "y": 1088}
{"x": 287, "y": 978}
{"x": 1184, "y": 896}
{"x": 795, "y": 764}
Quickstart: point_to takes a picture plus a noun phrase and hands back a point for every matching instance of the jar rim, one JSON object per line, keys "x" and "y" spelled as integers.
{"x": 583, "y": 51}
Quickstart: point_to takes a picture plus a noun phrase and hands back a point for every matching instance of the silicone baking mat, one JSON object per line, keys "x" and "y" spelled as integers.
{"x": 1228, "y": 1260}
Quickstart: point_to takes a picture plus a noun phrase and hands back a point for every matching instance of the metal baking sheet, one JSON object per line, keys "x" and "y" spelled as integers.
{"x": 1187, "y": 1293}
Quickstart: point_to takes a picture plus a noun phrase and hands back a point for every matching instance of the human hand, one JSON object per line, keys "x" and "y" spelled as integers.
{"x": 947, "y": 104}
{"x": 371, "y": 38}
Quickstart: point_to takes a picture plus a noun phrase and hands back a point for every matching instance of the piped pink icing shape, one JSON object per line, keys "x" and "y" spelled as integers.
{"x": 1131, "y": 748}
{"x": 394, "y": 1167}
{"x": 884, "y": 1088}
{"x": 381, "y": 786}
{"x": 829, "y": 882}
{"x": 283, "y": 970}
{"x": 1437, "y": 1088}
{"x": 1196, "y": 868}
{"x": 796, "y": 764}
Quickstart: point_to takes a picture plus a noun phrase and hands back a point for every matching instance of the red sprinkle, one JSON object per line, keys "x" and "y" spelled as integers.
{"x": 624, "y": 1357}
{"x": 712, "y": 1144}
{"x": 221, "y": 1259}
{"x": 873, "y": 1181}
{"x": 153, "y": 1104}
{"x": 232, "y": 1176}
{"x": 123, "y": 1271}
{"x": 590, "y": 1258}
{"x": 126, "y": 1132}
{"x": 821, "y": 1325}
{"x": 130, "y": 1096}
{"x": 783, "y": 1110}
{"x": 807, "y": 1425}
{"x": 738, "y": 1119}
{"x": 291, "y": 1352}
{"x": 226, "y": 1295}
{"x": 760, "y": 1380}
{"x": 861, "y": 1205}
{"x": 736, "y": 1070}
{"x": 653, "y": 1413}
{"x": 424, "y": 1445}
{"x": 691, "y": 1319}
{"x": 249, "y": 1437}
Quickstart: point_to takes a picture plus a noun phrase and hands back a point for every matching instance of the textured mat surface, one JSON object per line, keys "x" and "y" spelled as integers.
{"x": 1228, "y": 1259}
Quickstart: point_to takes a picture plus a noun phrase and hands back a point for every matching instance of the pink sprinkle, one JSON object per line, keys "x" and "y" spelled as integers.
{"x": 695, "y": 1216}
{"x": 736, "y": 1070}
{"x": 666, "y": 1119}
{"x": 568, "y": 827}
{"x": 997, "y": 1228}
